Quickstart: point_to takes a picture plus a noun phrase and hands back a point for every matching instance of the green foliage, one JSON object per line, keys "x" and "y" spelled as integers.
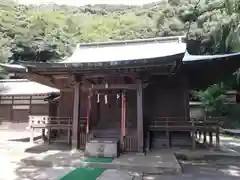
{"x": 232, "y": 121}
{"x": 50, "y": 32}
{"x": 213, "y": 99}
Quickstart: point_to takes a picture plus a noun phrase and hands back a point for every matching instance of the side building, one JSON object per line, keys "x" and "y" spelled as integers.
{"x": 21, "y": 98}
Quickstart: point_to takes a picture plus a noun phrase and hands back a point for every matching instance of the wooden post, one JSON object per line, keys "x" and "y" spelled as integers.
{"x": 89, "y": 104}
{"x": 32, "y": 135}
{"x": 148, "y": 141}
{"x": 49, "y": 135}
{"x": 75, "y": 123}
{"x": 210, "y": 138}
{"x": 167, "y": 133}
{"x": 69, "y": 131}
{"x": 123, "y": 119}
{"x": 140, "y": 116}
{"x": 200, "y": 135}
{"x": 204, "y": 130}
{"x": 218, "y": 137}
{"x": 49, "y": 122}
{"x": 193, "y": 134}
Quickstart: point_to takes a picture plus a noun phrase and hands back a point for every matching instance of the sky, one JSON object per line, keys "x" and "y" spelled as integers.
{"x": 85, "y": 2}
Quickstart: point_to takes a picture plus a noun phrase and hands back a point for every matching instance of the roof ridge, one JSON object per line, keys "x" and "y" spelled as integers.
{"x": 133, "y": 41}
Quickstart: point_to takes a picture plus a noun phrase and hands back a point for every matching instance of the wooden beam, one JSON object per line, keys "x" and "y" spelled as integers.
{"x": 41, "y": 79}
{"x": 114, "y": 86}
{"x": 75, "y": 123}
{"x": 140, "y": 116}
{"x": 61, "y": 76}
{"x": 91, "y": 81}
{"x": 48, "y": 81}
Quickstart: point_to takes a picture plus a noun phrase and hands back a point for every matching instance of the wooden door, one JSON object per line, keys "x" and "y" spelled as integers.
{"x": 110, "y": 112}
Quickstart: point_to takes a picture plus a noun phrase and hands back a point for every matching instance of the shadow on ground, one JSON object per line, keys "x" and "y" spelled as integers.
{"x": 59, "y": 160}
{"x": 40, "y": 173}
{"x": 41, "y": 148}
{"x": 203, "y": 170}
{"x": 47, "y": 162}
{"x": 25, "y": 139}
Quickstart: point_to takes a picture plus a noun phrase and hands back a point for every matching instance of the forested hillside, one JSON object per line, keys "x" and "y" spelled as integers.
{"x": 50, "y": 32}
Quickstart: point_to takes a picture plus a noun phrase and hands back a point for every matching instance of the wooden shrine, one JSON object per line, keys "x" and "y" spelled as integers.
{"x": 134, "y": 94}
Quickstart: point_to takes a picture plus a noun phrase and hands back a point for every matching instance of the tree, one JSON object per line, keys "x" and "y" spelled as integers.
{"x": 50, "y": 32}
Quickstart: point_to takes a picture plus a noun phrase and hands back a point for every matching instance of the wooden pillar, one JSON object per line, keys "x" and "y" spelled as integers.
{"x": 217, "y": 138}
{"x": 204, "y": 132}
{"x": 167, "y": 134}
{"x": 186, "y": 97}
{"x": 89, "y": 109}
{"x": 123, "y": 119}
{"x": 193, "y": 134}
{"x": 210, "y": 138}
{"x": 75, "y": 122}
{"x": 140, "y": 116}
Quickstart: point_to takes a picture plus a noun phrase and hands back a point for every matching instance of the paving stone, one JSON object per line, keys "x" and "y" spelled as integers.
{"x": 113, "y": 174}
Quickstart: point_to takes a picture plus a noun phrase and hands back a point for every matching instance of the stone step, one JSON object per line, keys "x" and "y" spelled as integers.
{"x": 107, "y": 133}
{"x": 102, "y": 147}
{"x": 153, "y": 163}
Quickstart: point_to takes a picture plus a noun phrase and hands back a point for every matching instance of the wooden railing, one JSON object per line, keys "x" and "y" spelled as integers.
{"x": 130, "y": 143}
{"x": 82, "y": 134}
{"x": 195, "y": 127}
{"x": 50, "y": 123}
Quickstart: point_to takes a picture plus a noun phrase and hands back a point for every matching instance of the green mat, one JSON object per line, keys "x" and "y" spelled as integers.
{"x": 87, "y": 173}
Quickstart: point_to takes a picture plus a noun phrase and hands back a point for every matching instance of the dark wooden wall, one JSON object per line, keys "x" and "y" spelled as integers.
{"x": 15, "y": 110}
{"x": 205, "y": 73}
{"x": 166, "y": 96}
{"x": 65, "y": 107}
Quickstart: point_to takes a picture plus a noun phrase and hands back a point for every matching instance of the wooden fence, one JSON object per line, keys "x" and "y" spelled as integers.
{"x": 195, "y": 127}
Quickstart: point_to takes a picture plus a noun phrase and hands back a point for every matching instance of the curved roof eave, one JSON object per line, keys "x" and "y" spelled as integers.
{"x": 13, "y": 67}
{"x": 188, "y": 58}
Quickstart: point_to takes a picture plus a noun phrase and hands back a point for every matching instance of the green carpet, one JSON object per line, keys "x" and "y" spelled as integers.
{"x": 87, "y": 173}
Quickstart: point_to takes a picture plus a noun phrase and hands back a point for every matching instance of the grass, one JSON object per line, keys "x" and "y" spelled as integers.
{"x": 87, "y": 173}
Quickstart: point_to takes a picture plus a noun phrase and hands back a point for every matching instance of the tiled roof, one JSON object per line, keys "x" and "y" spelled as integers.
{"x": 24, "y": 87}
{"x": 127, "y": 50}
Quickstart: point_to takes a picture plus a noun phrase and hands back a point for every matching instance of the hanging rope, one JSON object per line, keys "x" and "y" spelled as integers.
{"x": 88, "y": 111}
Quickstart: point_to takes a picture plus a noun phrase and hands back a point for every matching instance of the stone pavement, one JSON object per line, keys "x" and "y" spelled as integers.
{"x": 193, "y": 170}
{"x": 12, "y": 149}
{"x": 13, "y": 169}
{"x": 162, "y": 161}
{"x": 63, "y": 161}
{"x": 230, "y": 142}
{"x": 114, "y": 174}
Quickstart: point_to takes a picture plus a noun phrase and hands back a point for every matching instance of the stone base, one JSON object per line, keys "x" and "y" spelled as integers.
{"x": 162, "y": 162}
{"x": 102, "y": 148}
